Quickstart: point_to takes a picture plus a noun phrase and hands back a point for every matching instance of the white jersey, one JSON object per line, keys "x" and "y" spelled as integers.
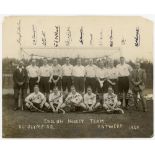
{"x": 110, "y": 99}
{"x": 56, "y": 98}
{"x": 107, "y": 72}
{"x": 101, "y": 73}
{"x": 75, "y": 98}
{"x": 33, "y": 71}
{"x": 90, "y": 99}
{"x": 79, "y": 71}
{"x": 91, "y": 71}
{"x": 67, "y": 70}
{"x": 36, "y": 98}
{"x": 45, "y": 71}
{"x": 113, "y": 74}
{"x": 57, "y": 70}
{"x": 124, "y": 70}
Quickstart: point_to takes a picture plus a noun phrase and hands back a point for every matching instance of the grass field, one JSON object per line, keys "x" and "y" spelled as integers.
{"x": 24, "y": 124}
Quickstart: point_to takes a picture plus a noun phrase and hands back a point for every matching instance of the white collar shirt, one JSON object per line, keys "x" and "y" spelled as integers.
{"x": 78, "y": 71}
{"x": 124, "y": 70}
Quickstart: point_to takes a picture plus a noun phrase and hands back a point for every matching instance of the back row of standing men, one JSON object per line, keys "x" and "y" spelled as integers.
{"x": 99, "y": 78}
{"x": 80, "y": 76}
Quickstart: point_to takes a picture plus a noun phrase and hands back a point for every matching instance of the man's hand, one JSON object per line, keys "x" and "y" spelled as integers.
{"x": 101, "y": 83}
{"x": 20, "y": 83}
{"x": 136, "y": 83}
{"x": 38, "y": 81}
{"x": 56, "y": 109}
{"x": 110, "y": 107}
{"x": 113, "y": 83}
{"x": 90, "y": 109}
{"x": 30, "y": 103}
{"x": 41, "y": 106}
{"x": 54, "y": 81}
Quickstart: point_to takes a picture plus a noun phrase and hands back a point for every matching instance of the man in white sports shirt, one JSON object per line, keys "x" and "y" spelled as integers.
{"x": 110, "y": 102}
{"x": 33, "y": 74}
{"x": 124, "y": 71}
{"x": 74, "y": 100}
{"x": 107, "y": 72}
{"x": 57, "y": 74}
{"x": 67, "y": 70}
{"x": 90, "y": 100}
{"x": 79, "y": 76}
{"x": 36, "y": 101}
{"x": 45, "y": 73}
{"x": 113, "y": 77}
{"x": 90, "y": 71}
{"x": 56, "y": 100}
{"x": 101, "y": 77}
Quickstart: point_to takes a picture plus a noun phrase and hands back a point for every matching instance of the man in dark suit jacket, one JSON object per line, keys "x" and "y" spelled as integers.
{"x": 138, "y": 78}
{"x": 20, "y": 79}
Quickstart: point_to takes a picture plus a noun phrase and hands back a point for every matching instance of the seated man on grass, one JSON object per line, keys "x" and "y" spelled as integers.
{"x": 56, "y": 101}
{"x": 90, "y": 100}
{"x": 110, "y": 102}
{"x": 74, "y": 100}
{"x": 36, "y": 101}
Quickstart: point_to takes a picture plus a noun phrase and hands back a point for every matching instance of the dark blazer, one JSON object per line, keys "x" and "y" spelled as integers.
{"x": 20, "y": 77}
{"x": 139, "y": 77}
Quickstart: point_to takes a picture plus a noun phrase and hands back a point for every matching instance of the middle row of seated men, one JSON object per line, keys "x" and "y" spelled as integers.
{"x": 56, "y": 102}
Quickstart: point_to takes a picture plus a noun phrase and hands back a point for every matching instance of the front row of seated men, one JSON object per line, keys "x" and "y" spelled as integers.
{"x": 56, "y": 102}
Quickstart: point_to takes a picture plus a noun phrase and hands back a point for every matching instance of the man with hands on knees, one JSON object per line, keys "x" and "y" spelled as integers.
{"x": 36, "y": 101}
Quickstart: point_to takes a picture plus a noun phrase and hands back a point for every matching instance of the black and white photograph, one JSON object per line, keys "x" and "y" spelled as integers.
{"x": 77, "y": 77}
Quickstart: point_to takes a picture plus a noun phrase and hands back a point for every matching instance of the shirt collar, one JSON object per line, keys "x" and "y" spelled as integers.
{"x": 33, "y": 66}
{"x": 68, "y": 64}
{"x": 45, "y": 65}
{"x": 78, "y": 65}
{"x": 123, "y": 64}
{"x": 55, "y": 65}
{"x": 19, "y": 67}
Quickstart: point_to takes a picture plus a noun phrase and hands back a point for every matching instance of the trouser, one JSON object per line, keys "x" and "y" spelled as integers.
{"x": 123, "y": 87}
{"x": 66, "y": 82}
{"x": 91, "y": 82}
{"x": 115, "y": 87}
{"x": 105, "y": 86}
{"x": 58, "y": 84}
{"x": 17, "y": 90}
{"x": 116, "y": 106}
{"x": 37, "y": 105}
{"x": 135, "y": 94}
{"x": 79, "y": 84}
{"x": 44, "y": 85}
{"x": 115, "y": 109}
{"x": 32, "y": 82}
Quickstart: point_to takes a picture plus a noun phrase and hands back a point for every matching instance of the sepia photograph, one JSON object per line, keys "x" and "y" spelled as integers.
{"x": 77, "y": 77}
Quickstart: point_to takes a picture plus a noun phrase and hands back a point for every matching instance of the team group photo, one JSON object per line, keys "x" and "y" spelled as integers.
{"x": 75, "y": 69}
{"x": 68, "y": 88}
